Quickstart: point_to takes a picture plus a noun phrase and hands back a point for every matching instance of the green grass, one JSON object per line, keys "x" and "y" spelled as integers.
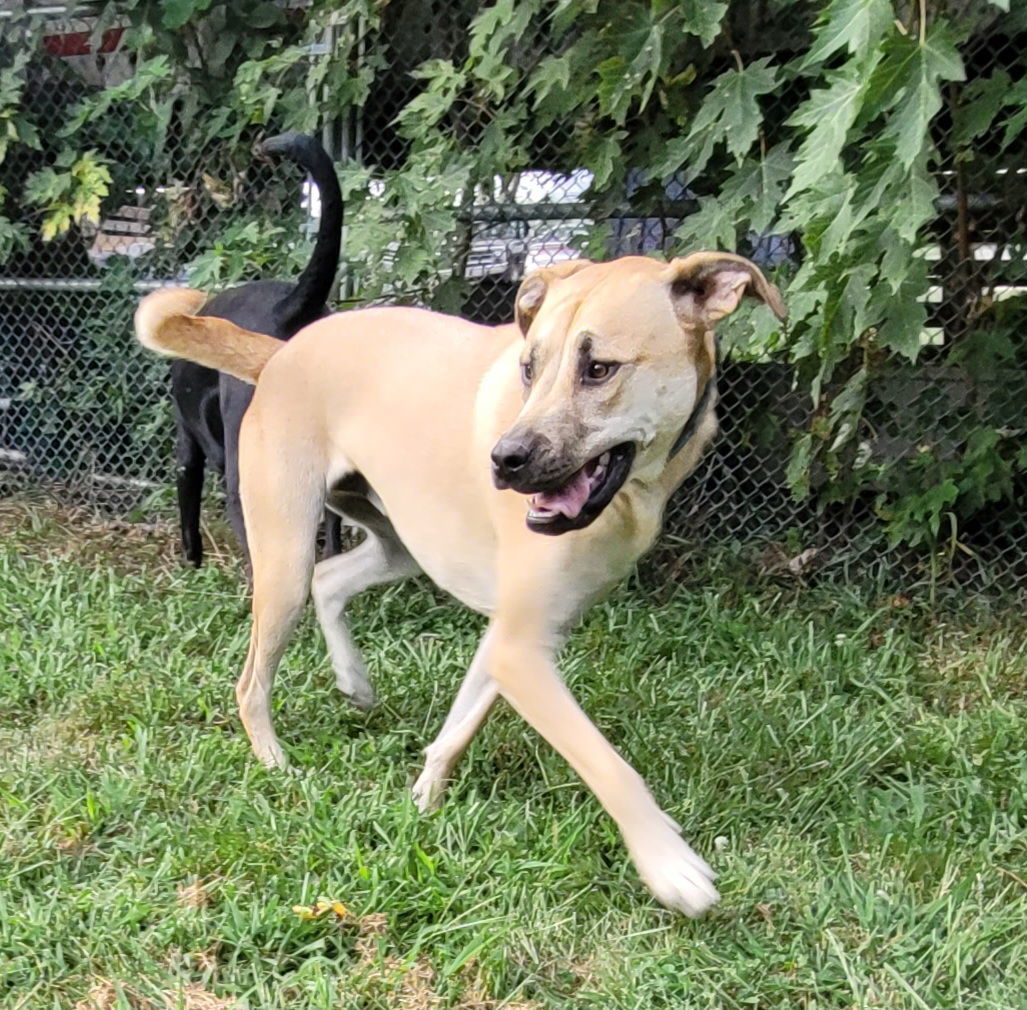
{"x": 853, "y": 764}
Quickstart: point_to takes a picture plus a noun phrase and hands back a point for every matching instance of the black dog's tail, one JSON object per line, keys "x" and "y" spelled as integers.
{"x": 306, "y": 301}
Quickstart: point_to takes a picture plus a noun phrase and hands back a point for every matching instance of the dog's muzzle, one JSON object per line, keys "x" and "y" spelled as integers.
{"x": 561, "y": 500}
{"x": 512, "y": 461}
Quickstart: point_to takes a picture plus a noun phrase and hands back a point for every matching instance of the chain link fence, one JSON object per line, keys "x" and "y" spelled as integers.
{"x": 85, "y": 415}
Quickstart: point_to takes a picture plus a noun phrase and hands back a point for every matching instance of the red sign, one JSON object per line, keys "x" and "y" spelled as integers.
{"x": 77, "y": 43}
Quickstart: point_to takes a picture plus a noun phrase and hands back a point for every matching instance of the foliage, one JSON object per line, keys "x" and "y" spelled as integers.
{"x": 248, "y": 250}
{"x": 70, "y": 191}
{"x": 825, "y": 123}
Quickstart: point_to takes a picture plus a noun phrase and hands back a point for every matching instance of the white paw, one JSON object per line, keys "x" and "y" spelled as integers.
{"x": 356, "y": 688}
{"x": 271, "y": 754}
{"x": 678, "y": 876}
{"x": 429, "y": 787}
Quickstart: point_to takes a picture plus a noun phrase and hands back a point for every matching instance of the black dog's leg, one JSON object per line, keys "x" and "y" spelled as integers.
{"x": 234, "y": 398}
{"x": 333, "y": 535}
{"x": 189, "y": 461}
{"x": 233, "y": 501}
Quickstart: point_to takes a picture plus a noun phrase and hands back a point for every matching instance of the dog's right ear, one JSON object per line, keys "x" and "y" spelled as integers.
{"x": 706, "y": 286}
{"x": 532, "y": 291}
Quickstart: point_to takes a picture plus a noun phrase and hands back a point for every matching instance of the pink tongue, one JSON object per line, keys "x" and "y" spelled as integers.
{"x": 569, "y": 500}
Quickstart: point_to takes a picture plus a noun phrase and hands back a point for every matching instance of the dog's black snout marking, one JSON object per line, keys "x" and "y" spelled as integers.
{"x": 510, "y": 456}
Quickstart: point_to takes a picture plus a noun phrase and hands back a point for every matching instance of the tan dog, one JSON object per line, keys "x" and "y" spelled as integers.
{"x": 593, "y": 406}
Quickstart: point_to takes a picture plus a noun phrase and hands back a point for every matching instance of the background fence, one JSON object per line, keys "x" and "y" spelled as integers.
{"x": 128, "y": 164}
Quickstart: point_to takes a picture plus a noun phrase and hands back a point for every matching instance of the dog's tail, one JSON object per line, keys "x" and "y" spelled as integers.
{"x": 306, "y": 301}
{"x": 166, "y": 323}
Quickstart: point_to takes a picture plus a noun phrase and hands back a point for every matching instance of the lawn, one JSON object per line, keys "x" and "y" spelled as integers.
{"x": 852, "y": 762}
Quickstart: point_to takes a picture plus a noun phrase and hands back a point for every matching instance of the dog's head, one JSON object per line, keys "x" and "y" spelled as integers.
{"x": 616, "y": 357}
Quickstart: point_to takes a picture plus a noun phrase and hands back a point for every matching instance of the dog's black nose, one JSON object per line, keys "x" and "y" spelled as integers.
{"x": 509, "y": 457}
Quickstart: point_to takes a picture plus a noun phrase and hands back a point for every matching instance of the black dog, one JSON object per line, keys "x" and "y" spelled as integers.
{"x": 209, "y": 406}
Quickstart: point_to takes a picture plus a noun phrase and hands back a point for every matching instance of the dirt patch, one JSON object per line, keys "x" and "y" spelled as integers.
{"x": 195, "y": 894}
{"x": 959, "y": 668}
{"x": 108, "y": 994}
{"x": 412, "y": 984}
{"x": 52, "y": 740}
{"x": 44, "y": 528}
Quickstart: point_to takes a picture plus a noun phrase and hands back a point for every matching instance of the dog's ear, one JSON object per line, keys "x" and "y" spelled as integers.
{"x": 706, "y": 286}
{"x": 532, "y": 291}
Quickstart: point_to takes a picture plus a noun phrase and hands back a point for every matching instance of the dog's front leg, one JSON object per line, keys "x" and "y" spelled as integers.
{"x": 476, "y": 696}
{"x": 527, "y": 676}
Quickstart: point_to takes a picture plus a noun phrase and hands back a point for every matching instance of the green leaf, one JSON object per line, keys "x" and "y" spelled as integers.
{"x": 426, "y": 110}
{"x": 265, "y": 15}
{"x": 72, "y": 196}
{"x": 797, "y": 472}
{"x": 935, "y": 61}
{"x": 676, "y": 152}
{"x": 148, "y": 74}
{"x": 737, "y": 96}
{"x": 13, "y": 236}
{"x": 552, "y": 73}
{"x": 730, "y": 112}
{"x": 829, "y": 112}
{"x": 981, "y": 102}
{"x": 856, "y": 297}
{"x": 702, "y": 18}
{"x": 176, "y": 13}
{"x": 847, "y": 407}
{"x": 628, "y": 76}
{"x": 760, "y": 184}
{"x": 602, "y": 156}
{"x": 713, "y": 226}
{"x": 824, "y": 214}
{"x": 935, "y": 501}
{"x": 855, "y": 25}
{"x": 614, "y": 97}
{"x": 493, "y": 31}
{"x": 913, "y": 201}
{"x": 901, "y": 328}
{"x": 489, "y": 22}
{"x": 1017, "y": 97}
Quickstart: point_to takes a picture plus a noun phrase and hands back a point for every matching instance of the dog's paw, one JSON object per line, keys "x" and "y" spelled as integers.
{"x": 428, "y": 789}
{"x": 677, "y": 875}
{"x": 271, "y": 754}
{"x": 354, "y": 686}
{"x": 362, "y": 699}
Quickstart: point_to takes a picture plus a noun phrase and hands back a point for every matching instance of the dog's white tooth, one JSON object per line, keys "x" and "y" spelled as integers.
{"x": 604, "y": 459}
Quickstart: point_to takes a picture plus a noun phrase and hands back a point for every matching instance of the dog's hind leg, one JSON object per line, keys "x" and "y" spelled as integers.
{"x": 381, "y": 558}
{"x": 473, "y": 701}
{"x": 189, "y": 460}
{"x": 283, "y": 502}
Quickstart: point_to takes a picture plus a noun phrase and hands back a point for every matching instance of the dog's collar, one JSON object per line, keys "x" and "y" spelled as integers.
{"x": 708, "y": 393}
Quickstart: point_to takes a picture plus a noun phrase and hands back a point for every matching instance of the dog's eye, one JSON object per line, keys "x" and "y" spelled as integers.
{"x": 527, "y": 373}
{"x": 599, "y": 371}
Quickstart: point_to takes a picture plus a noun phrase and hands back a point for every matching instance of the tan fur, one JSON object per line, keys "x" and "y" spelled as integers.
{"x": 165, "y": 323}
{"x": 160, "y": 305}
{"x": 392, "y": 415}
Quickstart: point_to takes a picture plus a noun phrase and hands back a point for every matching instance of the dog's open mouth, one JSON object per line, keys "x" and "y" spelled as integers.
{"x": 582, "y": 497}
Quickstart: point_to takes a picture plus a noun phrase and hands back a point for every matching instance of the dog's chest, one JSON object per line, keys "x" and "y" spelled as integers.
{"x": 472, "y": 583}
